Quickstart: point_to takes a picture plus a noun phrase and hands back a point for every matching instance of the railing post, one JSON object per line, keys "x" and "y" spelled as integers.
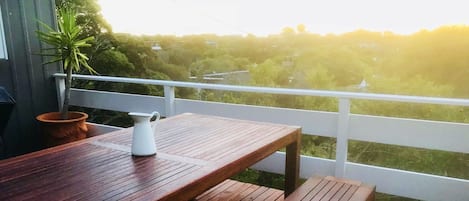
{"x": 60, "y": 88}
{"x": 169, "y": 98}
{"x": 342, "y": 137}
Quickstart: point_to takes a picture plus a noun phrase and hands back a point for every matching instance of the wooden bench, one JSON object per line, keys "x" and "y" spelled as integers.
{"x": 235, "y": 190}
{"x": 331, "y": 188}
{"x": 315, "y": 188}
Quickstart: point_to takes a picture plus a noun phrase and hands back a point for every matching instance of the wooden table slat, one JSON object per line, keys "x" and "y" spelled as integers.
{"x": 94, "y": 186}
{"x": 32, "y": 166}
{"x": 58, "y": 173}
{"x": 195, "y": 153}
{"x": 252, "y": 141}
{"x": 68, "y": 178}
{"x": 136, "y": 184}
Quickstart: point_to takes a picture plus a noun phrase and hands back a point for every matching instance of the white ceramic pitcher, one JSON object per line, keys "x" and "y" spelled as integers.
{"x": 143, "y": 137}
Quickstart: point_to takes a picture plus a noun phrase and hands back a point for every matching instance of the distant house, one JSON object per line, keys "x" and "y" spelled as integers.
{"x": 363, "y": 85}
{"x": 368, "y": 45}
{"x": 288, "y": 61}
{"x": 232, "y": 77}
{"x": 156, "y": 47}
{"x": 211, "y": 43}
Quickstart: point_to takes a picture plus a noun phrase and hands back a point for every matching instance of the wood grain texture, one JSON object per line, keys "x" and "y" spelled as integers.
{"x": 195, "y": 153}
{"x": 238, "y": 191}
{"x": 292, "y": 165}
{"x": 330, "y": 188}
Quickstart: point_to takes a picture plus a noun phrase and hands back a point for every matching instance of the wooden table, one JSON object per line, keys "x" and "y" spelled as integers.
{"x": 195, "y": 152}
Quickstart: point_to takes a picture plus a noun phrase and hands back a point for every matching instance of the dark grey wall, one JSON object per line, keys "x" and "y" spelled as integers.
{"x": 23, "y": 75}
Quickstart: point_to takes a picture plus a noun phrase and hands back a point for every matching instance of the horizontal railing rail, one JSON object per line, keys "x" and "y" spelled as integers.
{"x": 302, "y": 92}
{"x": 341, "y": 125}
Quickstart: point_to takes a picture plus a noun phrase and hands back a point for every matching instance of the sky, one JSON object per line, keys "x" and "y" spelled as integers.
{"x": 264, "y": 17}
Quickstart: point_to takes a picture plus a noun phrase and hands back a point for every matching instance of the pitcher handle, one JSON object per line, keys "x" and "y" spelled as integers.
{"x": 157, "y": 114}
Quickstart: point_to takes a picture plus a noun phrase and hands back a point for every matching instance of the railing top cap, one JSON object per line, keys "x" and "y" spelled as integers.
{"x": 286, "y": 91}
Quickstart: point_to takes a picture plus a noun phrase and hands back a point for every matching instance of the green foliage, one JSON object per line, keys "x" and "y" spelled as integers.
{"x": 319, "y": 78}
{"x": 112, "y": 62}
{"x": 428, "y": 63}
{"x": 220, "y": 63}
{"x": 90, "y": 17}
{"x": 270, "y": 180}
{"x": 66, "y": 43}
{"x": 269, "y": 73}
{"x": 66, "y": 46}
{"x": 416, "y": 86}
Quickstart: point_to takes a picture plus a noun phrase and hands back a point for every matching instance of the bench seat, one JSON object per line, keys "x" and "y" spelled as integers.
{"x": 237, "y": 191}
{"x": 331, "y": 188}
{"x": 315, "y": 188}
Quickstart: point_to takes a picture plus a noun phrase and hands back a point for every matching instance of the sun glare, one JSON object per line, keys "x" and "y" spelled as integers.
{"x": 263, "y": 17}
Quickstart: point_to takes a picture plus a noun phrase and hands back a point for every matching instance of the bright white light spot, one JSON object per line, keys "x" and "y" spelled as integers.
{"x": 263, "y": 17}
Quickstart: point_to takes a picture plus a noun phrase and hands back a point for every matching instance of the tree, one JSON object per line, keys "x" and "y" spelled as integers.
{"x": 66, "y": 47}
{"x": 301, "y": 28}
{"x": 92, "y": 23}
{"x": 269, "y": 73}
{"x": 288, "y": 31}
{"x": 89, "y": 16}
{"x": 113, "y": 62}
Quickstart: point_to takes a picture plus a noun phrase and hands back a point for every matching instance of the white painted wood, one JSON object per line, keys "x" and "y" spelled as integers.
{"x": 342, "y": 137}
{"x": 391, "y": 181}
{"x": 411, "y": 132}
{"x": 406, "y": 132}
{"x": 312, "y": 122}
{"x": 169, "y": 100}
{"x": 309, "y": 166}
{"x": 410, "y": 184}
{"x": 117, "y": 101}
{"x": 100, "y": 129}
{"x": 304, "y": 92}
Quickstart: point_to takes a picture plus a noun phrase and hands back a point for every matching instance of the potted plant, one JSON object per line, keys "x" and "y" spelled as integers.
{"x": 65, "y": 46}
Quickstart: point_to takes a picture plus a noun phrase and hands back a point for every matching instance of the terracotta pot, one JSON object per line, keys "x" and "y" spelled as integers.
{"x": 57, "y": 131}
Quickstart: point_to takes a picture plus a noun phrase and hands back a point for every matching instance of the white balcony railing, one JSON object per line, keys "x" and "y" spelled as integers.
{"x": 342, "y": 125}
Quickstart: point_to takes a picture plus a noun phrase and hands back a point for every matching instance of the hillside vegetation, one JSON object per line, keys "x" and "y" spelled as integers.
{"x": 428, "y": 63}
